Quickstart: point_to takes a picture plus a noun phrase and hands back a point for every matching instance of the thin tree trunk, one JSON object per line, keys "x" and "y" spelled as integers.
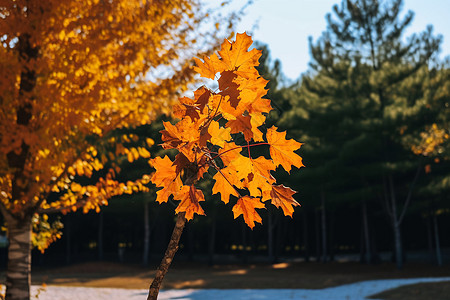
{"x": 430, "y": 239}
{"x": 146, "y": 249}
{"x": 18, "y": 274}
{"x": 305, "y": 235}
{"x": 398, "y": 246}
{"x": 436, "y": 240}
{"x": 100, "y": 235}
{"x": 317, "y": 235}
{"x": 368, "y": 256}
{"x": 168, "y": 256}
{"x": 324, "y": 229}
{"x": 270, "y": 236}
{"x": 361, "y": 244}
{"x": 212, "y": 241}
{"x": 396, "y": 226}
{"x": 331, "y": 239}
{"x": 244, "y": 243}
{"x": 68, "y": 237}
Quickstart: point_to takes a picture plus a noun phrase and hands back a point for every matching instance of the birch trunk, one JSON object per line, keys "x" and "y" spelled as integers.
{"x": 18, "y": 274}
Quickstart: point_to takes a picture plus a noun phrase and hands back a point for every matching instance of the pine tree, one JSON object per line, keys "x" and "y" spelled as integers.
{"x": 357, "y": 102}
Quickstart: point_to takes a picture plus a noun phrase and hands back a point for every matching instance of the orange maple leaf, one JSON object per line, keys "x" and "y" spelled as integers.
{"x": 245, "y": 206}
{"x": 190, "y": 198}
{"x": 165, "y": 171}
{"x": 165, "y": 176}
{"x": 282, "y": 197}
{"x": 209, "y": 67}
{"x": 282, "y": 150}
{"x": 223, "y": 186}
{"x": 236, "y": 56}
{"x": 242, "y": 124}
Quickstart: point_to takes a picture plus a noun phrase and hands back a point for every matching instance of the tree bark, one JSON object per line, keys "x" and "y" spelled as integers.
{"x": 18, "y": 274}
{"x": 168, "y": 257}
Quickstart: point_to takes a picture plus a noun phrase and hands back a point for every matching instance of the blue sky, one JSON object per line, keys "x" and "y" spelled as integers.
{"x": 286, "y": 24}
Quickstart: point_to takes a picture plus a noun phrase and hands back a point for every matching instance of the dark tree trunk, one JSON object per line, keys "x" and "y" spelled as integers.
{"x": 168, "y": 257}
{"x": 146, "y": 249}
{"x": 305, "y": 235}
{"x": 331, "y": 240}
{"x": 436, "y": 240}
{"x": 396, "y": 226}
{"x": 244, "y": 243}
{"x": 212, "y": 241}
{"x": 430, "y": 239}
{"x": 100, "y": 236}
{"x": 68, "y": 237}
{"x": 367, "y": 246}
{"x": 324, "y": 228}
{"x": 18, "y": 273}
{"x": 270, "y": 254}
{"x": 317, "y": 219}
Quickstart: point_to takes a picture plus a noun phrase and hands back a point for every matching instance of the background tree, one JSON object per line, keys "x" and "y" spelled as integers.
{"x": 364, "y": 91}
{"x": 72, "y": 72}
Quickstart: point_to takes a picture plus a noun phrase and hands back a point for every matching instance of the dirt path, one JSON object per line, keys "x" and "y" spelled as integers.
{"x": 255, "y": 276}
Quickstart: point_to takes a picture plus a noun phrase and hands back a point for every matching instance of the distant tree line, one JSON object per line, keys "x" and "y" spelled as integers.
{"x": 373, "y": 114}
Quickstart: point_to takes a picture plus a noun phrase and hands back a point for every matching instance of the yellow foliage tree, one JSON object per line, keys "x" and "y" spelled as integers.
{"x": 70, "y": 73}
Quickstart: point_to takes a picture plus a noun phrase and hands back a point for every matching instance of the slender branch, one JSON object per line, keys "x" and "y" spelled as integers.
{"x": 239, "y": 147}
{"x": 168, "y": 257}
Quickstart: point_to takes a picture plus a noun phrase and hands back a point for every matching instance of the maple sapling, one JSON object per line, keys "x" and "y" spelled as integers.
{"x": 216, "y": 132}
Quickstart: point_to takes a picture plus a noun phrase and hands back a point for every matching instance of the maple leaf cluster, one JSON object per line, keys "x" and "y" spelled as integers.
{"x": 218, "y": 130}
